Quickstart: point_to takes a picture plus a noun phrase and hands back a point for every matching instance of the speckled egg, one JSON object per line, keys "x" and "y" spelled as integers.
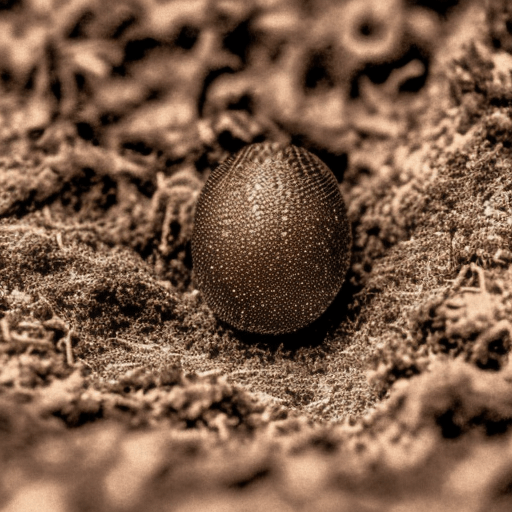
{"x": 271, "y": 242}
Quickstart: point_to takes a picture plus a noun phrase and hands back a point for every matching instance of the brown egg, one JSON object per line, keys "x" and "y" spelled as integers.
{"x": 271, "y": 242}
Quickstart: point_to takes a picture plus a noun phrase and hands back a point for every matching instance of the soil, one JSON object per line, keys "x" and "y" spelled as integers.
{"x": 119, "y": 388}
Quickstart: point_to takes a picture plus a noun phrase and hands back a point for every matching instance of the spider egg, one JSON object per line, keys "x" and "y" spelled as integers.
{"x": 271, "y": 241}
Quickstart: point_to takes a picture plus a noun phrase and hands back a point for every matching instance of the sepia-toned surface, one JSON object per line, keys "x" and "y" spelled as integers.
{"x": 119, "y": 388}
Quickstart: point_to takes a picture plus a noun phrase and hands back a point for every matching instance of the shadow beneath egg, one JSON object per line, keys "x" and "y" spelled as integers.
{"x": 309, "y": 336}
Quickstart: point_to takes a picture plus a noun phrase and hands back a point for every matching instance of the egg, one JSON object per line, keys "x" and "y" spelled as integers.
{"x": 271, "y": 242}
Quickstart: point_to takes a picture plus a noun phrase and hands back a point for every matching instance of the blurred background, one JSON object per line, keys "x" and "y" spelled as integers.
{"x": 169, "y": 78}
